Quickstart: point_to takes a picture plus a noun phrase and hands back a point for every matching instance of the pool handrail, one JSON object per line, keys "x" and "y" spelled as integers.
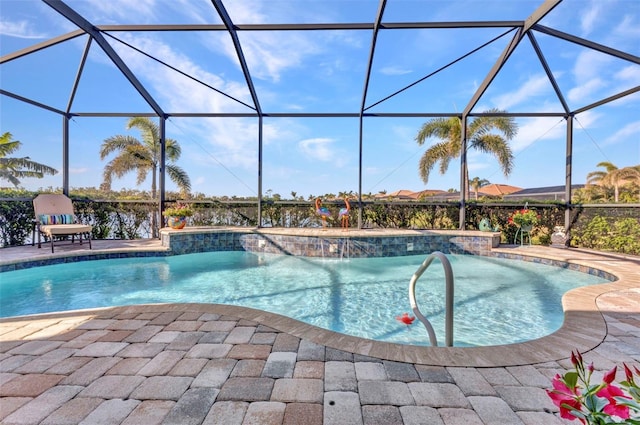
{"x": 448, "y": 275}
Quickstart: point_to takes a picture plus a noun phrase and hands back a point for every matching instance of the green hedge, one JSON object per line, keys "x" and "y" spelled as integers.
{"x": 611, "y": 229}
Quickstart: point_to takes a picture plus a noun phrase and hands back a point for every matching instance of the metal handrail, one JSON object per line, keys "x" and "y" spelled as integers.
{"x": 448, "y": 275}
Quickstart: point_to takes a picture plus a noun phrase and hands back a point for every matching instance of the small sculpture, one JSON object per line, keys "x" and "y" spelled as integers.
{"x": 343, "y": 215}
{"x": 323, "y": 212}
{"x": 559, "y": 237}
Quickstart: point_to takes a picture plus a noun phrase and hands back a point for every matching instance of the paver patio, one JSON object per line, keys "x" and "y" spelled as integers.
{"x": 217, "y": 364}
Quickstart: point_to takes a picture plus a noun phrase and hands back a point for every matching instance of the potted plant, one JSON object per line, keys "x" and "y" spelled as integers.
{"x": 524, "y": 218}
{"x": 177, "y": 216}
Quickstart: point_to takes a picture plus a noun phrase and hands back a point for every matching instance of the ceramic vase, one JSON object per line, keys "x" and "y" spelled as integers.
{"x": 176, "y": 222}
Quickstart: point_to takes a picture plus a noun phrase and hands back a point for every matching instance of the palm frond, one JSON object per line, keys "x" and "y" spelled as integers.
{"x": 148, "y": 129}
{"x": 441, "y": 128}
{"x": 498, "y": 147}
{"x": 8, "y": 146}
{"x": 116, "y": 144}
{"x": 172, "y": 150}
{"x": 435, "y": 153}
{"x": 179, "y": 177}
{"x": 9, "y": 176}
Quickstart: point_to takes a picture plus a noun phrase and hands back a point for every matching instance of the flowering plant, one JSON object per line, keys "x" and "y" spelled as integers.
{"x": 524, "y": 217}
{"x": 180, "y": 210}
{"x": 596, "y": 404}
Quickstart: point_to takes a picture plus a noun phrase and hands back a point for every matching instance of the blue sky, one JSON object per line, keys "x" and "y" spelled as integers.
{"x": 319, "y": 72}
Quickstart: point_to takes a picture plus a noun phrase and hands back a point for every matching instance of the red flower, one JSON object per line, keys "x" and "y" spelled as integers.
{"x": 576, "y": 358}
{"x": 565, "y": 398}
{"x": 613, "y": 408}
{"x": 610, "y": 376}
{"x": 406, "y": 319}
{"x": 577, "y": 398}
{"x": 628, "y": 373}
{"x": 524, "y": 217}
{"x": 566, "y": 405}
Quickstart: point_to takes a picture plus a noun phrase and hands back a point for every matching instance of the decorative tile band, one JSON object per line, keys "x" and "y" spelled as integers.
{"x": 317, "y": 246}
{"x": 328, "y": 247}
{"x": 77, "y": 258}
{"x": 556, "y": 263}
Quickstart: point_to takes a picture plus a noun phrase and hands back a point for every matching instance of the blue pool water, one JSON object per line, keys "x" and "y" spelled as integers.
{"x": 496, "y": 301}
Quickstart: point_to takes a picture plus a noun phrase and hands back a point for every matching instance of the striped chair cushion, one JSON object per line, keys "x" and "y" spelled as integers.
{"x": 56, "y": 219}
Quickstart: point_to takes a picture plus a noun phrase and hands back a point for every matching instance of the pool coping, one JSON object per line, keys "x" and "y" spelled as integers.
{"x": 584, "y": 326}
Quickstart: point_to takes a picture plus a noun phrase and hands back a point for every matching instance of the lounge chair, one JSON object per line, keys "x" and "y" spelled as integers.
{"x": 55, "y": 218}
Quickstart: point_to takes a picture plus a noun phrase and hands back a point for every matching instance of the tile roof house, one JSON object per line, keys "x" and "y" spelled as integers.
{"x": 408, "y": 195}
{"x": 495, "y": 189}
{"x": 549, "y": 193}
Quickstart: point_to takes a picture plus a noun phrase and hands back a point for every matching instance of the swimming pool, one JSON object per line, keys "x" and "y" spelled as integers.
{"x": 496, "y": 301}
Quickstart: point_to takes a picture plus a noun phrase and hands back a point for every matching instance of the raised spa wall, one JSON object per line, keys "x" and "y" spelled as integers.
{"x": 330, "y": 244}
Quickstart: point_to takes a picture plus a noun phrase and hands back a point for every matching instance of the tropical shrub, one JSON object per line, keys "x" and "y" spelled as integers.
{"x": 607, "y": 234}
{"x": 16, "y": 218}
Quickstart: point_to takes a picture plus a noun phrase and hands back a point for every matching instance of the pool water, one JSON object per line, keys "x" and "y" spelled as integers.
{"x": 496, "y": 301}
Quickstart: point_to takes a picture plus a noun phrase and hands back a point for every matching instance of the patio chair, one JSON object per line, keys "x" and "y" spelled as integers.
{"x": 55, "y": 219}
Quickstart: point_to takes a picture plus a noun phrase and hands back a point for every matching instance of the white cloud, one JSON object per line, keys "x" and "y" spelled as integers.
{"x": 628, "y": 28}
{"x": 590, "y": 64}
{"x": 146, "y": 11}
{"x": 268, "y": 54}
{"x": 19, "y": 29}
{"x": 317, "y": 148}
{"x": 597, "y": 74}
{"x": 589, "y": 16}
{"x": 590, "y": 71}
{"x": 180, "y": 92}
{"x": 587, "y": 119}
{"x": 218, "y": 141}
{"x": 629, "y": 132}
{"x": 271, "y": 53}
{"x": 539, "y": 128}
{"x": 534, "y": 86}
{"x": 585, "y": 91}
{"x": 629, "y": 75}
{"x": 395, "y": 70}
{"x": 117, "y": 10}
{"x": 212, "y": 141}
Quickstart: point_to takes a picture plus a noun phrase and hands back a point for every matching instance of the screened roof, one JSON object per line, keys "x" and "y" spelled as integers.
{"x": 310, "y": 71}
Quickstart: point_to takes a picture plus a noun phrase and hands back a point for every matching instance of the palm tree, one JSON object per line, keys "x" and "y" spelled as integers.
{"x": 14, "y": 169}
{"x": 142, "y": 157}
{"x": 612, "y": 177}
{"x": 633, "y": 174}
{"x": 479, "y": 136}
{"x": 476, "y": 183}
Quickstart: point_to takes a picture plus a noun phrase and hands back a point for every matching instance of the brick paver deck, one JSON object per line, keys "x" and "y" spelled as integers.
{"x": 217, "y": 364}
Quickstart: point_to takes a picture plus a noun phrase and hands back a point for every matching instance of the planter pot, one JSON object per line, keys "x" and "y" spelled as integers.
{"x": 526, "y": 227}
{"x": 176, "y": 222}
{"x": 524, "y": 233}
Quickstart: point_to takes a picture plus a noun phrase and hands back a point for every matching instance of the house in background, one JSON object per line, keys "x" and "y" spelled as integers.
{"x": 398, "y": 195}
{"x": 409, "y": 195}
{"x": 497, "y": 190}
{"x": 549, "y": 193}
{"x": 494, "y": 190}
{"x": 444, "y": 197}
{"x": 427, "y": 195}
